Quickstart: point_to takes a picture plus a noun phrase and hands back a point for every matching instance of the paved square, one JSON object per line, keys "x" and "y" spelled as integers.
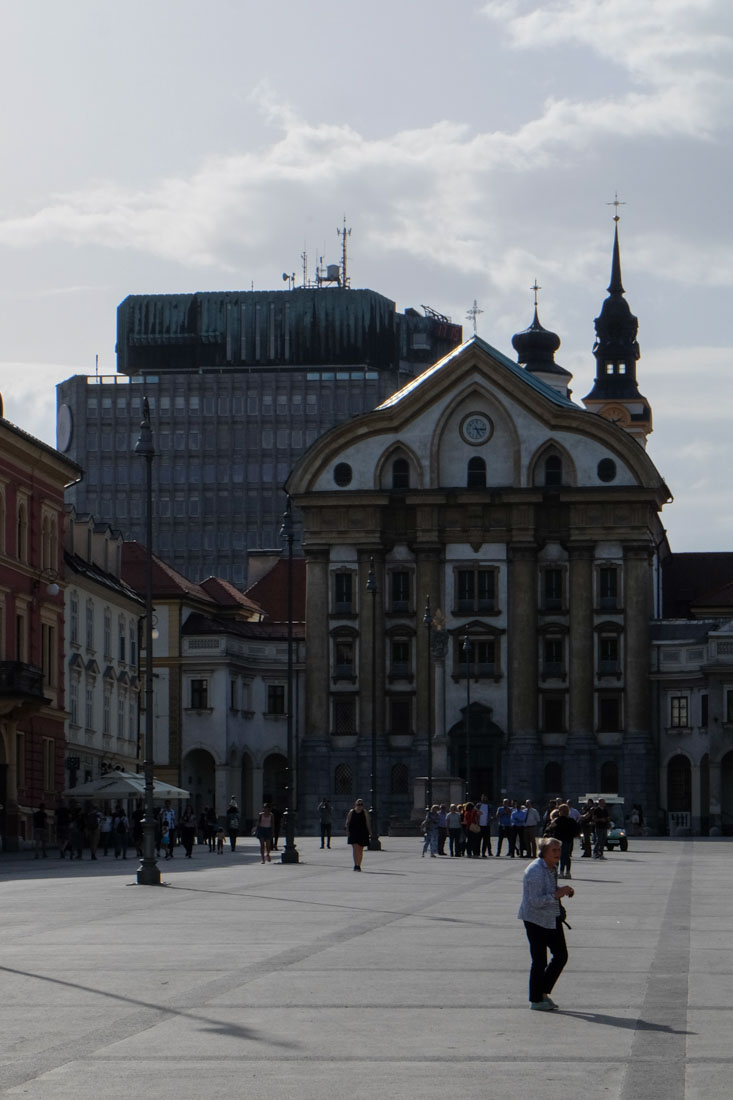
{"x": 407, "y": 981}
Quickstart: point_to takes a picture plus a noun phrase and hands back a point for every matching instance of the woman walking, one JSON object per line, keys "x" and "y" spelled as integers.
{"x": 565, "y": 829}
{"x": 543, "y": 916}
{"x": 358, "y": 828}
{"x": 263, "y": 832}
{"x": 188, "y": 830}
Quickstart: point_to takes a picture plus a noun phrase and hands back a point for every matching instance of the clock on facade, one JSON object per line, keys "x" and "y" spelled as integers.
{"x": 476, "y": 428}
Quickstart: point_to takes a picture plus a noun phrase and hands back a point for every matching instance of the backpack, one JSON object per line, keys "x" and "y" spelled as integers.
{"x": 120, "y": 826}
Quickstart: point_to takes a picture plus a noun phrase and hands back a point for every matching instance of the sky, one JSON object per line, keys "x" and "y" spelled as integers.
{"x": 165, "y": 146}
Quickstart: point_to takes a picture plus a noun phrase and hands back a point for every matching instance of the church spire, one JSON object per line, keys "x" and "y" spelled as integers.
{"x": 615, "y": 392}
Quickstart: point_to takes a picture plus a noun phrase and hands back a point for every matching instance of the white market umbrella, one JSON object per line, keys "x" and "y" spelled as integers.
{"x": 124, "y": 785}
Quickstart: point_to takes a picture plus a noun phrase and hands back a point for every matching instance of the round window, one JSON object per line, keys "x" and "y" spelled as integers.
{"x": 342, "y": 474}
{"x": 606, "y": 469}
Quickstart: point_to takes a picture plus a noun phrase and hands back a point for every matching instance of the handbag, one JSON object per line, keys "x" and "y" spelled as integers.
{"x": 474, "y": 828}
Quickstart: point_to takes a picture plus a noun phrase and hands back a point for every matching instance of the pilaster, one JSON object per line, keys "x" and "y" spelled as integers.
{"x": 317, "y": 644}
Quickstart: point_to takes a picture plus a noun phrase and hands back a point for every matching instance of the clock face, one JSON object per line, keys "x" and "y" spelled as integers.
{"x": 476, "y": 428}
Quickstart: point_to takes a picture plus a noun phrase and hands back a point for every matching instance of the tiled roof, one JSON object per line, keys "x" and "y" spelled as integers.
{"x": 226, "y": 594}
{"x": 270, "y": 592}
{"x": 198, "y": 623}
{"x": 166, "y": 580}
{"x": 445, "y": 363}
{"x": 100, "y": 576}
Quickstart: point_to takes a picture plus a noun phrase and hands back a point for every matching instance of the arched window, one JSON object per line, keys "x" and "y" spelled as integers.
{"x": 609, "y": 776}
{"x": 553, "y": 778}
{"x": 476, "y": 476}
{"x": 400, "y": 474}
{"x": 399, "y": 779}
{"x": 553, "y": 470}
{"x": 343, "y": 782}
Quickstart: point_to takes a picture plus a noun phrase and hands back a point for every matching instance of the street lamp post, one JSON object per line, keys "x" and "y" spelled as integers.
{"x": 467, "y": 652}
{"x": 290, "y": 854}
{"x": 371, "y": 587}
{"x": 148, "y": 873}
{"x": 428, "y": 620}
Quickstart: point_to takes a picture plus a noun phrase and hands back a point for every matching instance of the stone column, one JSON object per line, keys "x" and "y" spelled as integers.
{"x": 366, "y": 627}
{"x": 317, "y": 722}
{"x": 640, "y": 757}
{"x": 579, "y": 768}
{"x": 521, "y": 758}
{"x": 427, "y": 583}
{"x": 10, "y": 840}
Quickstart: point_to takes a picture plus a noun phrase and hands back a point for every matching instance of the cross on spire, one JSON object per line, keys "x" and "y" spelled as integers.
{"x": 616, "y": 203}
{"x": 473, "y": 313}
{"x": 535, "y": 288}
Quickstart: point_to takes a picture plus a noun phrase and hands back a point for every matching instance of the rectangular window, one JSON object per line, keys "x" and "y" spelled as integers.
{"x": 399, "y": 663}
{"x": 608, "y": 587}
{"x": 121, "y": 714}
{"x": 343, "y": 593}
{"x": 608, "y": 655}
{"x": 609, "y": 714}
{"x": 479, "y": 659}
{"x": 400, "y": 716}
{"x": 704, "y": 710}
{"x": 343, "y": 658}
{"x": 20, "y": 759}
{"x": 107, "y": 636}
{"x": 344, "y": 715}
{"x": 400, "y": 590}
{"x": 199, "y": 694}
{"x": 49, "y": 763}
{"x": 475, "y": 590}
{"x": 552, "y": 589}
{"x": 275, "y": 698}
{"x": 90, "y": 625}
{"x": 48, "y": 656}
{"x": 552, "y": 657}
{"x": 74, "y": 703}
{"x": 233, "y": 695}
{"x": 729, "y": 706}
{"x": 553, "y": 714}
{"x": 74, "y": 617}
{"x": 679, "y": 711}
{"x": 107, "y": 712}
{"x": 89, "y": 707}
{"x": 133, "y": 645}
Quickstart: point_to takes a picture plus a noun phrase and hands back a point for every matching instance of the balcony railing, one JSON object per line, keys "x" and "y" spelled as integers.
{"x": 18, "y": 678}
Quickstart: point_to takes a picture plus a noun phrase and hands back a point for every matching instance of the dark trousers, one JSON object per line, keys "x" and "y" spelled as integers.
{"x": 485, "y": 840}
{"x": 516, "y": 840}
{"x": 454, "y": 841}
{"x": 541, "y": 976}
{"x": 326, "y": 833}
{"x": 505, "y": 833}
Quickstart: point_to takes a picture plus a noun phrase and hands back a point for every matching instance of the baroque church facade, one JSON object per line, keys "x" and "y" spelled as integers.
{"x": 482, "y": 559}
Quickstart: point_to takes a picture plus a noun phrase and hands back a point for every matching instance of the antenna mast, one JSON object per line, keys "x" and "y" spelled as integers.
{"x": 343, "y": 234}
{"x": 304, "y": 258}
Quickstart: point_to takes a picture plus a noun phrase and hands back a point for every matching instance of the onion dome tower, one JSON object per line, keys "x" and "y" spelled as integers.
{"x": 615, "y": 392}
{"x": 535, "y": 347}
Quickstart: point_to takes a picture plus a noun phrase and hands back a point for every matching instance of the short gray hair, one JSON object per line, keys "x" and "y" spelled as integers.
{"x": 546, "y": 842}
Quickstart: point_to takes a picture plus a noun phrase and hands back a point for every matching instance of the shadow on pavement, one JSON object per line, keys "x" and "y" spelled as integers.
{"x": 223, "y": 1027}
{"x": 625, "y": 1022}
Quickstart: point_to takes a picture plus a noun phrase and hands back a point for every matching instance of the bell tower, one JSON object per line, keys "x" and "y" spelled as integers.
{"x": 615, "y": 392}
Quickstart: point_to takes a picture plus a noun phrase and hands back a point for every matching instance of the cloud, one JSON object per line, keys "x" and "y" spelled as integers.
{"x": 439, "y": 193}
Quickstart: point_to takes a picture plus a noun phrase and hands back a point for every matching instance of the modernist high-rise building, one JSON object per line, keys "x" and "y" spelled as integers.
{"x": 240, "y": 384}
